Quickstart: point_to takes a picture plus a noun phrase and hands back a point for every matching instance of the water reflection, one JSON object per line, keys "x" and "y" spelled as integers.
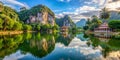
{"x": 37, "y": 46}
{"x": 9, "y": 44}
{"x": 65, "y": 39}
{"x": 108, "y": 45}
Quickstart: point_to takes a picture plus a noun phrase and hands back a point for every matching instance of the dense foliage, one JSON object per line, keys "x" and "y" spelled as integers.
{"x": 114, "y": 24}
{"x": 105, "y": 14}
{"x": 93, "y": 23}
{"x": 9, "y": 19}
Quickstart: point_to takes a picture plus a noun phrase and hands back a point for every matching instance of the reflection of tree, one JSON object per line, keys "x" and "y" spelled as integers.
{"x": 85, "y": 36}
{"x": 112, "y": 45}
{"x": 39, "y": 45}
{"x": 95, "y": 41}
{"x": 27, "y": 36}
{"x": 9, "y": 44}
{"x": 65, "y": 40}
{"x": 106, "y": 50}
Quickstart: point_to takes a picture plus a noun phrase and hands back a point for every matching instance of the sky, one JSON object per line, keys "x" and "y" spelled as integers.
{"x": 76, "y": 9}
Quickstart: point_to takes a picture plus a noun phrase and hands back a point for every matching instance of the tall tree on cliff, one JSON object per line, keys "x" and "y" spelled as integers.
{"x": 105, "y": 14}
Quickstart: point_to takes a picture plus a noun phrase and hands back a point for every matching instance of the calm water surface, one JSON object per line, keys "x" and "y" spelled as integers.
{"x": 36, "y": 46}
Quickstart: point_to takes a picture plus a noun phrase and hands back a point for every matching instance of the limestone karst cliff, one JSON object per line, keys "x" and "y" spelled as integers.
{"x": 37, "y": 14}
{"x": 65, "y": 21}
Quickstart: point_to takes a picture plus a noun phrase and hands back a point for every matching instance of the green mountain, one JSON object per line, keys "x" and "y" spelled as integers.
{"x": 65, "y": 21}
{"x": 37, "y": 14}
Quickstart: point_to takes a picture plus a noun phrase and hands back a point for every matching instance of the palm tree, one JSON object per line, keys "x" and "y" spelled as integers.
{"x": 105, "y": 14}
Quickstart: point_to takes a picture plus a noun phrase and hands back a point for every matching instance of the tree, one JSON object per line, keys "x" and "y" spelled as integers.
{"x": 1, "y": 23}
{"x": 105, "y": 14}
{"x": 27, "y": 27}
{"x": 17, "y": 26}
{"x": 94, "y": 19}
{"x": 8, "y": 17}
{"x": 94, "y": 23}
{"x": 38, "y": 27}
{"x": 88, "y": 21}
{"x": 55, "y": 27}
{"x": 7, "y": 22}
{"x": 10, "y": 24}
{"x": 114, "y": 24}
{"x": 85, "y": 27}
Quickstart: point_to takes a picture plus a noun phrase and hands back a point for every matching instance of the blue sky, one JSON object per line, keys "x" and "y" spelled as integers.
{"x": 76, "y": 9}
{"x": 57, "y": 6}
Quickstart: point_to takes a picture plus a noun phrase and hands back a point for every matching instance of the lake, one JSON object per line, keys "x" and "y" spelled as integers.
{"x": 38, "y": 46}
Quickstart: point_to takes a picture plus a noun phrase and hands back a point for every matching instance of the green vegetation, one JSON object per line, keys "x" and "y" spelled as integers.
{"x": 10, "y": 21}
{"x": 105, "y": 14}
{"x": 9, "y": 44}
{"x": 27, "y": 27}
{"x": 93, "y": 23}
{"x": 114, "y": 24}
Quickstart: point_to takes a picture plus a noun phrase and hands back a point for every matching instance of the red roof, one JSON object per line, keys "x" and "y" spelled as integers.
{"x": 64, "y": 27}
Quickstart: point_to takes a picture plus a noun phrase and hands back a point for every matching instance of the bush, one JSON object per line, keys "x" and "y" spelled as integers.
{"x": 27, "y": 27}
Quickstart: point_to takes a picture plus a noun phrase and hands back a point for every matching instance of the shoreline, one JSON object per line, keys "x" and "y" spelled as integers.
{"x": 92, "y": 32}
{"x": 13, "y": 32}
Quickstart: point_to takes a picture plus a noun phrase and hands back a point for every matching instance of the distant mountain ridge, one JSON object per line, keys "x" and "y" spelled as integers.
{"x": 81, "y": 23}
{"x": 114, "y": 15}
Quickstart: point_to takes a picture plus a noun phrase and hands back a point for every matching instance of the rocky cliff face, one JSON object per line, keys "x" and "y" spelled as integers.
{"x": 43, "y": 18}
{"x": 38, "y": 14}
{"x": 65, "y": 21}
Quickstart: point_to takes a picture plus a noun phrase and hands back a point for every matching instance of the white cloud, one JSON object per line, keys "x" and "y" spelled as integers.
{"x": 64, "y": 0}
{"x": 86, "y": 9}
{"x": 13, "y": 3}
{"x": 113, "y": 5}
{"x": 83, "y": 12}
{"x": 92, "y": 8}
{"x": 95, "y": 2}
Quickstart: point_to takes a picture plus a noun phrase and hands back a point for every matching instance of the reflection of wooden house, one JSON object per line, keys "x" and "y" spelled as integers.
{"x": 64, "y": 30}
{"x": 103, "y": 31}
